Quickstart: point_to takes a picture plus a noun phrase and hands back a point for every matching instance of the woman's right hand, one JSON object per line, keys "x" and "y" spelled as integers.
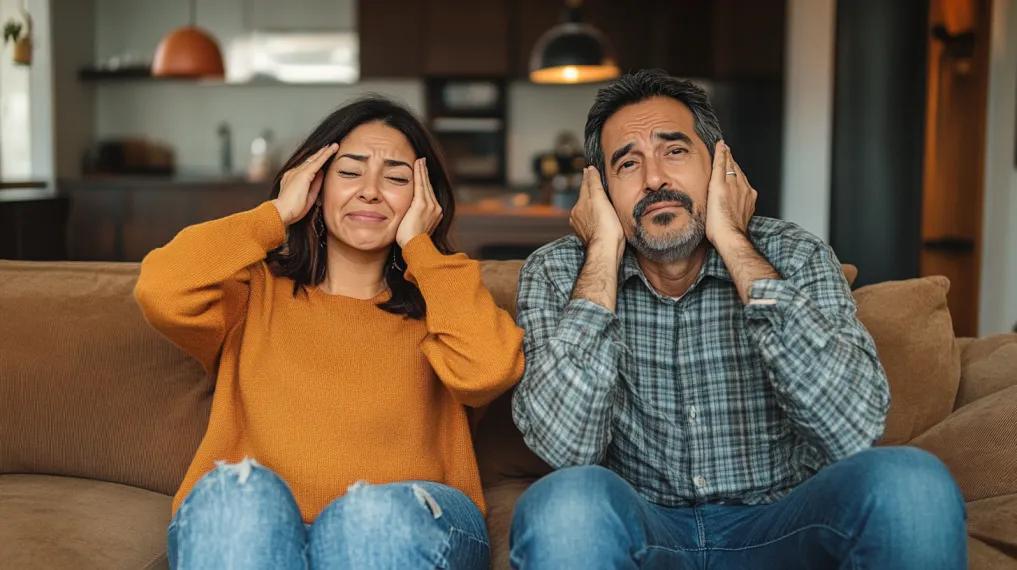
{"x": 300, "y": 186}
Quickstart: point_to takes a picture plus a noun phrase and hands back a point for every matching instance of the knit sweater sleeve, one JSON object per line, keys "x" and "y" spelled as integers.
{"x": 473, "y": 345}
{"x": 195, "y": 288}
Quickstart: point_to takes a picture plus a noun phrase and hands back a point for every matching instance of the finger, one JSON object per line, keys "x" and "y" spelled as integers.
{"x": 315, "y": 188}
{"x": 303, "y": 164}
{"x": 595, "y": 183}
{"x": 584, "y": 186}
{"x": 418, "y": 183}
{"x": 729, "y": 169}
{"x": 425, "y": 177}
{"x": 718, "y": 160}
{"x": 318, "y": 159}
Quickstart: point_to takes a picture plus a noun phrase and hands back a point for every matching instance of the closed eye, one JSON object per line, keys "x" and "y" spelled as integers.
{"x": 348, "y": 174}
{"x": 399, "y": 181}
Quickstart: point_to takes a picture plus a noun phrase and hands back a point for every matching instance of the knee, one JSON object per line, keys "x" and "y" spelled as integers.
{"x": 365, "y": 510}
{"x": 907, "y": 483}
{"x": 572, "y": 501}
{"x": 244, "y": 487}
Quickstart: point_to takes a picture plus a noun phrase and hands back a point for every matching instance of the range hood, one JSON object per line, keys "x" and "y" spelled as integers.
{"x": 303, "y": 57}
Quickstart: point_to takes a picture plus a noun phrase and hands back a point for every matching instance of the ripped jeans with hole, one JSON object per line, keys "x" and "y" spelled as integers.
{"x": 244, "y": 516}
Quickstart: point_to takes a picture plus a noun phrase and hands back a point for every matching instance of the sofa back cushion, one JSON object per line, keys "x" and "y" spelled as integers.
{"x": 87, "y": 388}
{"x": 910, "y": 322}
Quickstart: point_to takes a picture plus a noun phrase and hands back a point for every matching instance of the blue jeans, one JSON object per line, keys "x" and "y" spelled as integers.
{"x": 244, "y": 516}
{"x": 884, "y": 508}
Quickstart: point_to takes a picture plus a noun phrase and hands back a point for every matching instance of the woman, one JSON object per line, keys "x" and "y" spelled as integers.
{"x": 345, "y": 339}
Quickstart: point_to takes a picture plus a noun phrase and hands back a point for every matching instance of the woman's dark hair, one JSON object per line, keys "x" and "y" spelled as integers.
{"x": 302, "y": 257}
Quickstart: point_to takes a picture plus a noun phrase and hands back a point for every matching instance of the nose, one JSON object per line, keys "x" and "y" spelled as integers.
{"x": 653, "y": 176}
{"x": 369, "y": 192}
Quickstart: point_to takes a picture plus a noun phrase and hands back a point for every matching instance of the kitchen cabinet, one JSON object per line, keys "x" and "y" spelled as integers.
{"x": 467, "y": 38}
{"x": 34, "y": 228}
{"x": 412, "y": 38}
{"x": 391, "y": 37}
{"x": 716, "y": 39}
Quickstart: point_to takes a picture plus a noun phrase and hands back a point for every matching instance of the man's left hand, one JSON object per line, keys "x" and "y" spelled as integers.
{"x": 730, "y": 201}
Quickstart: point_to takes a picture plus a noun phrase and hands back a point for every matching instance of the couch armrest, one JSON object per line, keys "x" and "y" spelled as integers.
{"x": 988, "y": 365}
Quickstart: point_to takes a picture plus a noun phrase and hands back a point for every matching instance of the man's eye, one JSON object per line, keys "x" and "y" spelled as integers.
{"x": 678, "y": 150}
{"x": 627, "y": 164}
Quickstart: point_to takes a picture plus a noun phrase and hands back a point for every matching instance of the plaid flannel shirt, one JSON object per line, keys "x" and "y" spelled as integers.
{"x": 702, "y": 398}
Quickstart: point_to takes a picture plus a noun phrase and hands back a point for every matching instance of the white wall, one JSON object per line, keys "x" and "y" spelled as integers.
{"x": 998, "y": 295}
{"x": 15, "y": 107}
{"x": 808, "y": 114}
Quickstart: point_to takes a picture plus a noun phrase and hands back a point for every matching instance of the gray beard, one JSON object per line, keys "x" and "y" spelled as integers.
{"x": 671, "y": 246}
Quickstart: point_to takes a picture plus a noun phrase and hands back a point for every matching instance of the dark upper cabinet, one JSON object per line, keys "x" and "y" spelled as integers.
{"x": 717, "y": 39}
{"x": 467, "y": 38}
{"x": 391, "y": 36}
{"x": 411, "y": 38}
{"x": 748, "y": 39}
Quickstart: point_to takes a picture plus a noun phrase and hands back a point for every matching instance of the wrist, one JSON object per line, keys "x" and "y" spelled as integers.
{"x": 283, "y": 214}
{"x": 730, "y": 239}
{"x": 607, "y": 249}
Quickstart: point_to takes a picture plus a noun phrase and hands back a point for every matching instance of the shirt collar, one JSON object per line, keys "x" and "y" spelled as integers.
{"x": 712, "y": 267}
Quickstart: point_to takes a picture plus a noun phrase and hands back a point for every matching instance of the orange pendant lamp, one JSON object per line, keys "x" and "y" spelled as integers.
{"x": 188, "y": 52}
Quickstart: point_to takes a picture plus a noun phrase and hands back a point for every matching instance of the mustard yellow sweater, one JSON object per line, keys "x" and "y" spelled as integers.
{"x": 323, "y": 389}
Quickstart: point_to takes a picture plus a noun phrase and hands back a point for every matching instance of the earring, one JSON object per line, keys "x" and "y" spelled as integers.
{"x": 395, "y": 262}
{"x": 319, "y": 227}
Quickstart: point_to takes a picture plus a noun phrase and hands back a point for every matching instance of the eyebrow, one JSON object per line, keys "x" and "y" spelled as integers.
{"x": 674, "y": 136}
{"x": 618, "y": 154}
{"x": 665, "y": 136}
{"x": 363, "y": 158}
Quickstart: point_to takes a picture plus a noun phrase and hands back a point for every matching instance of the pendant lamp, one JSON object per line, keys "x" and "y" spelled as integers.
{"x": 572, "y": 52}
{"x": 188, "y": 52}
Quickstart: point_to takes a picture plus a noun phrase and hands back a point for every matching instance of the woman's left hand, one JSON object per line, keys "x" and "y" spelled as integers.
{"x": 425, "y": 212}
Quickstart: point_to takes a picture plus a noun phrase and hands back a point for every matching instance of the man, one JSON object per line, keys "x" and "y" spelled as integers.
{"x": 698, "y": 375}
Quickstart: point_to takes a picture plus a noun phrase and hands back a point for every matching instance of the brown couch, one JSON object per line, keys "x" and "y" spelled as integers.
{"x": 99, "y": 416}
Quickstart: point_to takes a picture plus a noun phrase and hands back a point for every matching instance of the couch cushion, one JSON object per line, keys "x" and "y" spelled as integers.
{"x": 502, "y": 279}
{"x": 911, "y": 325}
{"x": 993, "y": 522}
{"x": 979, "y": 444}
{"x": 501, "y": 502}
{"x": 988, "y": 365}
{"x": 87, "y": 388}
{"x": 65, "y": 522}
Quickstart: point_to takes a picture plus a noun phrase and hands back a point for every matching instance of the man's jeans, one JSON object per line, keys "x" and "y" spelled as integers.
{"x": 244, "y": 516}
{"x": 884, "y": 508}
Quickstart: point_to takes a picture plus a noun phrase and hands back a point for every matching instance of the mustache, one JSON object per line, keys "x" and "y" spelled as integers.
{"x": 683, "y": 200}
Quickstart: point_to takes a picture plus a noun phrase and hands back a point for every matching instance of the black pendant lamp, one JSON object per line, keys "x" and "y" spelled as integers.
{"x": 572, "y": 52}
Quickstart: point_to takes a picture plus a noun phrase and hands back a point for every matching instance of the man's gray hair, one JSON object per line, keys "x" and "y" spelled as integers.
{"x": 639, "y": 86}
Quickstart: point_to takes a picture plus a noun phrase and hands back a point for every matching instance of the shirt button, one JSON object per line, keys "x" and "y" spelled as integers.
{"x": 693, "y": 414}
{"x": 699, "y": 481}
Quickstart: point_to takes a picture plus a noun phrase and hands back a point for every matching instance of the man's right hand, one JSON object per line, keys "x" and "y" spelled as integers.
{"x": 594, "y": 219}
{"x": 597, "y": 225}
